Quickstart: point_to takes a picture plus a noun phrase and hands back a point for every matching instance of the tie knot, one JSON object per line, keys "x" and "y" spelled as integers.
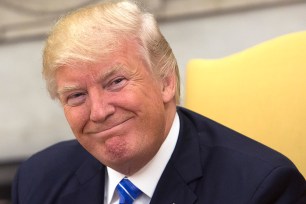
{"x": 127, "y": 191}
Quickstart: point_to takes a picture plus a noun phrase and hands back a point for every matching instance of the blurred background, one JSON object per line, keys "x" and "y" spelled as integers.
{"x": 31, "y": 121}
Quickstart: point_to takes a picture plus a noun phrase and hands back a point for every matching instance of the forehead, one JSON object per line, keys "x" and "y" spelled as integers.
{"x": 96, "y": 71}
{"x": 70, "y": 78}
{"x": 126, "y": 52}
{"x": 127, "y": 59}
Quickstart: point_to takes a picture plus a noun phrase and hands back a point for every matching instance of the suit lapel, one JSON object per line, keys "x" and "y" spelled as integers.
{"x": 88, "y": 186}
{"x": 172, "y": 188}
{"x": 179, "y": 179}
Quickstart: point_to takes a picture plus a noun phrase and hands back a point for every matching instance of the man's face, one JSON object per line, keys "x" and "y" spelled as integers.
{"x": 116, "y": 109}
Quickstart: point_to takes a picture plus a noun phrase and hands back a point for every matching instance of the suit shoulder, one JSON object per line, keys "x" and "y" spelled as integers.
{"x": 53, "y": 172}
{"x": 67, "y": 154}
{"x": 234, "y": 164}
{"x": 216, "y": 136}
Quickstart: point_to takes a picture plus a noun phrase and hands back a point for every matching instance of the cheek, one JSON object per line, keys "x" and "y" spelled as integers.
{"x": 144, "y": 95}
{"x": 76, "y": 117}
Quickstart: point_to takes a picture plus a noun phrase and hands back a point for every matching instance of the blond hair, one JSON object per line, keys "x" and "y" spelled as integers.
{"x": 87, "y": 34}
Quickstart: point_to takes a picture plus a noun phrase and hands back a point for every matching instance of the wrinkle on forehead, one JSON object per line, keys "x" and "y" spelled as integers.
{"x": 126, "y": 59}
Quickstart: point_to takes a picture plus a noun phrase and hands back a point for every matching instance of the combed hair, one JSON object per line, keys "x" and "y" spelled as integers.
{"x": 88, "y": 34}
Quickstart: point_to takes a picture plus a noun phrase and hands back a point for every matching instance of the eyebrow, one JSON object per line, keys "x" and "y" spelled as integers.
{"x": 67, "y": 89}
{"x": 101, "y": 77}
{"x": 112, "y": 70}
{"x": 118, "y": 68}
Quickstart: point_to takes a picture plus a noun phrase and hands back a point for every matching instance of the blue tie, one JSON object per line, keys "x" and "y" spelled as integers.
{"x": 127, "y": 191}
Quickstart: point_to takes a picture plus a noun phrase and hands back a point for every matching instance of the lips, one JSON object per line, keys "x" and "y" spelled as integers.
{"x": 106, "y": 126}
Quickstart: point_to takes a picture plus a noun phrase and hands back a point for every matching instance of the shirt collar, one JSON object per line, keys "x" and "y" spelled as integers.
{"x": 147, "y": 178}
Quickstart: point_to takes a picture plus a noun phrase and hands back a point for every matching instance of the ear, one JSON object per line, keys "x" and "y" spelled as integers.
{"x": 168, "y": 88}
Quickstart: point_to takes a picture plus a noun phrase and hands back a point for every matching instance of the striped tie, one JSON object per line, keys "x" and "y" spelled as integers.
{"x": 127, "y": 191}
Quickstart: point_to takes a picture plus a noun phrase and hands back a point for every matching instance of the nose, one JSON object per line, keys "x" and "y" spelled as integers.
{"x": 100, "y": 107}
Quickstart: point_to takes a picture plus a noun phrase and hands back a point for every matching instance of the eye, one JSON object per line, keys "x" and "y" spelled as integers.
{"x": 117, "y": 84}
{"x": 76, "y": 99}
{"x": 118, "y": 81}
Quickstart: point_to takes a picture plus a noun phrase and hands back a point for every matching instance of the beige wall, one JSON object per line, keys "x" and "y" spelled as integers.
{"x": 32, "y": 18}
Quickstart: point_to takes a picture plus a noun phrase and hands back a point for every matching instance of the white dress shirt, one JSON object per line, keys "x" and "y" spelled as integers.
{"x": 146, "y": 178}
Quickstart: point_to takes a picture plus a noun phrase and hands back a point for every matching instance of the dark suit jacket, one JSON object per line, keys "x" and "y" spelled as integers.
{"x": 211, "y": 164}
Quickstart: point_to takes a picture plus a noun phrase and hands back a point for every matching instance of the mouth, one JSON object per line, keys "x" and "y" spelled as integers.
{"x": 108, "y": 127}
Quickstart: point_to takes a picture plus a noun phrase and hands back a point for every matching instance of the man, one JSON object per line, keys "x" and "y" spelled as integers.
{"x": 117, "y": 80}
